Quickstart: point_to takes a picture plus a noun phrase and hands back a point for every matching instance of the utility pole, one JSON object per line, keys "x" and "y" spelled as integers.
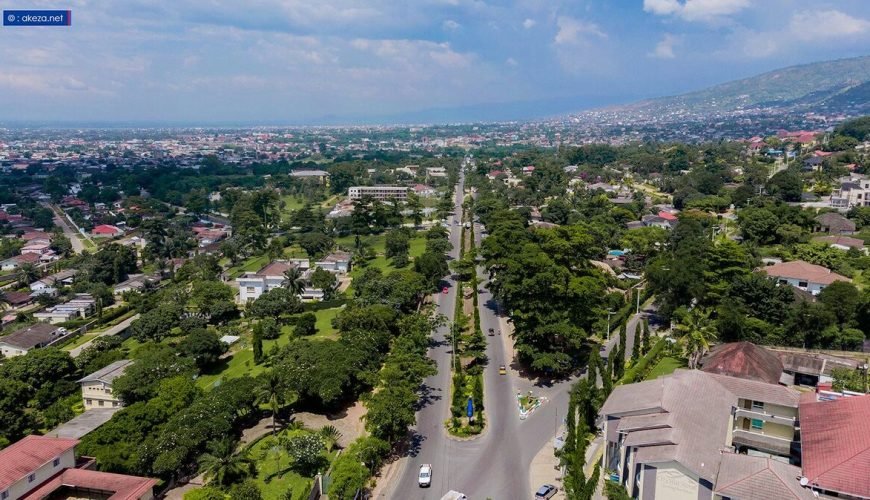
{"x": 609, "y": 314}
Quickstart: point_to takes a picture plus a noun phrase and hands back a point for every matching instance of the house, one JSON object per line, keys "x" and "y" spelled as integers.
{"x": 18, "y": 343}
{"x": 423, "y": 190}
{"x": 844, "y": 243}
{"x": 658, "y": 221}
{"x": 42, "y": 467}
{"x": 436, "y": 172}
{"x": 812, "y": 369}
{"x": 82, "y": 306}
{"x": 49, "y": 283}
{"x": 803, "y": 275}
{"x": 669, "y": 437}
{"x": 813, "y": 163}
{"x": 206, "y": 237}
{"x": 744, "y": 476}
{"x": 36, "y": 236}
{"x": 97, "y": 387}
{"x": 835, "y": 443}
{"x": 853, "y": 191}
{"x": 336, "y": 262}
{"x": 380, "y": 193}
{"x": 834, "y": 223}
{"x": 106, "y": 231}
{"x": 271, "y": 276}
{"x": 36, "y": 248}
{"x": 135, "y": 282}
{"x": 17, "y": 261}
{"x": 743, "y": 360}
{"x": 18, "y": 299}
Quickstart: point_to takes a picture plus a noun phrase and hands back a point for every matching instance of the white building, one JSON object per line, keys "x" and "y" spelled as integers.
{"x": 803, "y": 275}
{"x": 854, "y": 191}
{"x": 338, "y": 262}
{"x": 97, "y": 387}
{"x": 381, "y": 193}
{"x": 270, "y": 277}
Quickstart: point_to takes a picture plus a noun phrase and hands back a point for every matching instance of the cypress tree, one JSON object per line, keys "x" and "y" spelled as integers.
{"x": 636, "y": 345}
{"x": 258, "y": 345}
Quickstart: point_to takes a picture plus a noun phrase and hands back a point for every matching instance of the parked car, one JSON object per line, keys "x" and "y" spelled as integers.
{"x": 545, "y": 491}
{"x": 425, "y": 476}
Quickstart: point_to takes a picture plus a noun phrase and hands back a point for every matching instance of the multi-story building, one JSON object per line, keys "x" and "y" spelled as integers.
{"x": 270, "y": 277}
{"x": 97, "y": 387}
{"x": 666, "y": 438}
{"x": 42, "y": 467}
{"x": 82, "y": 306}
{"x": 853, "y": 191}
{"x": 380, "y": 193}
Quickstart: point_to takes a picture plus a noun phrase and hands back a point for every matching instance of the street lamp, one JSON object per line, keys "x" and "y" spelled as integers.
{"x": 864, "y": 368}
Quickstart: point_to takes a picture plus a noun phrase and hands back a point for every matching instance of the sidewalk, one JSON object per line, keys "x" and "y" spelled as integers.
{"x": 544, "y": 469}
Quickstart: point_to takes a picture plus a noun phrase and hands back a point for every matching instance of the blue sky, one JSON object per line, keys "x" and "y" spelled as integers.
{"x": 302, "y": 60}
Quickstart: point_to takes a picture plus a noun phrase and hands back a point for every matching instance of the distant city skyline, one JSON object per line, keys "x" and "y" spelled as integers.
{"x": 343, "y": 61}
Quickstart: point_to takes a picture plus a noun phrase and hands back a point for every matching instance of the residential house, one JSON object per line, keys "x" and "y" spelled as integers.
{"x": 813, "y": 163}
{"x": 17, "y": 261}
{"x": 97, "y": 387}
{"x": 20, "y": 342}
{"x": 82, "y": 306}
{"x": 667, "y": 438}
{"x": 834, "y": 223}
{"x": 658, "y": 221}
{"x": 844, "y": 243}
{"x": 50, "y": 283}
{"x": 743, "y": 360}
{"x": 835, "y": 443}
{"x": 106, "y": 231}
{"x": 812, "y": 369}
{"x": 271, "y": 276}
{"x": 135, "y": 282}
{"x": 37, "y": 248}
{"x": 436, "y": 172}
{"x": 380, "y": 193}
{"x": 319, "y": 175}
{"x": 206, "y": 237}
{"x": 42, "y": 467}
{"x": 853, "y": 191}
{"x": 18, "y": 299}
{"x": 336, "y": 262}
{"x": 803, "y": 275}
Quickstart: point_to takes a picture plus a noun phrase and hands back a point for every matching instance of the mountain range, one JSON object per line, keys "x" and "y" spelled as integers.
{"x": 841, "y": 85}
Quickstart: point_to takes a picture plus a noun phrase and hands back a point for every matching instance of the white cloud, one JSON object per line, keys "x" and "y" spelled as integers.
{"x": 529, "y": 23}
{"x": 695, "y": 10}
{"x": 665, "y": 48}
{"x": 572, "y": 31}
{"x": 827, "y": 24}
{"x": 450, "y": 25}
{"x": 512, "y": 62}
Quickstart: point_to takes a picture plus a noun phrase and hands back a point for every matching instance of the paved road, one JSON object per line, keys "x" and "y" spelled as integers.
{"x": 120, "y": 327}
{"x": 68, "y": 231}
{"x": 496, "y": 464}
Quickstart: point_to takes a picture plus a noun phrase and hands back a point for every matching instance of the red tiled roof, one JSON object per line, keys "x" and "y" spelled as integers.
{"x": 105, "y": 229}
{"x": 276, "y": 268}
{"x": 124, "y": 487}
{"x": 798, "y": 269}
{"x": 25, "y": 456}
{"x": 667, "y": 215}
{"x": 744, "y": 360}
{"x": 835, "y": 443}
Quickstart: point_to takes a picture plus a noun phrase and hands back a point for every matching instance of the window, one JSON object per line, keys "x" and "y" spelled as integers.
{"x": 89, "y": 401}
{"x": 757, "y": 406}
{"x": 802, "y": 284}
{"x": 31, "y": 478}
{"x": 757, "y": 424}
{"x": 102, "y": 402}
{"x": 55, "y": 462}
{"x": 4, "y": 495}
{"x": 249, "y": 289}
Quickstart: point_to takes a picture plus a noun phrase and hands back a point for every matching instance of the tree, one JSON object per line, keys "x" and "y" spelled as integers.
{"x": 636, "y": 343}
{"x": 646, "y": 346}
{"x": 15, "y": 420}
{"x": 157, "y": 323}
{"x": 246, "y": 490}
{"x": 843, "y": 299}
{"x": 391, "y": 412}
{"x": 274, "y": 303}
{"x": 330, "y": 436}
{"x": 206, "y": 493}
{"x": 203, "y": 347}
{"x": 433, "y": 267}
{"x": 306, "y": 451}
{"x": 326, "y": 281}
{"x": 316, "y": 244}
{"x": 786, "y": 185}
{"x": 416, "y": 208}
{"x": 397, "y": 245}
{"x": 696, "y": 332}
{"x": 293, "y": 281}
{"x": 154, "y": 363}
{"x": 222, "y": 464}
{"x": 27, "y": 274}
{"x": 257, "y": 341}
{"x": 267, "y": 329}
{"x": 306, "y": 325}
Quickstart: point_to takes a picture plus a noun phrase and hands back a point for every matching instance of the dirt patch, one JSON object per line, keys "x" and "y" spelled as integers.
{"x": 349, "y": 422}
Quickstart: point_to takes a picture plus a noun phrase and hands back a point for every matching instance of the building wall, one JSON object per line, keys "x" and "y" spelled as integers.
{"x": 96, "y": 392}
{"x": 813, "y": 288}
{"x": 675, "y": 482}
{"x": 22, "y": 487}
{"x": 11, "y": 351}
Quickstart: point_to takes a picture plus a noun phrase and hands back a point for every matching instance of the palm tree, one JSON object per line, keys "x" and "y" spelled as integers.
{"x": 271, "y": 391}
{"x": 330, "y": 436}
{"x": 4, "y": 300}
{"x": 222, "y": 465}
{"x": 27, "y": 274}
{"x": 293, "y": 281}
{"x": 696, "y": 332}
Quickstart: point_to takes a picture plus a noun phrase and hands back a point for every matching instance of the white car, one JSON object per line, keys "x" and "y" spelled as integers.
{"x": 425, "y": 477}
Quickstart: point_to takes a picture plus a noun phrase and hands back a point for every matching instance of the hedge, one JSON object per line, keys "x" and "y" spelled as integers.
{"x": 640, "y": 370}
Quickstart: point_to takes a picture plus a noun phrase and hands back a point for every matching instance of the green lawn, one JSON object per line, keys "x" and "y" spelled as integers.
{"x": 665, "y": 366}
{"x": 273, "y": 475}
{"x": 81, "y": 339}
{"x": 242, "y": 362}
{"x": 378, "y": 243}
{"x": 253, "y": 264}
{"x": 291, "y": 204}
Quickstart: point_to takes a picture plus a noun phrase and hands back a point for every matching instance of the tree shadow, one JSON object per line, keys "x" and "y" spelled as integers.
{"x": 427, "y": 396}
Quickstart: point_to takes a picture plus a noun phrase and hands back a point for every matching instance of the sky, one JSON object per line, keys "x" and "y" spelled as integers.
{"x": 319, "y": 61}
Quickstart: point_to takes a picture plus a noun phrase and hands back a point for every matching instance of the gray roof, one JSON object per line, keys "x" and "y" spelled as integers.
{"x": 36, "y": 335}
{"x": 759, "y": 391}
{"x": 687, "y": 419}
{"x": 761, "y": 478}
{"x": 85, "y": 423}
{"x": 109, "y": 373}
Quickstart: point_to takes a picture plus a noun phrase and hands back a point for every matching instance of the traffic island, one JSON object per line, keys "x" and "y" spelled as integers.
{"x": 528, "y": 403}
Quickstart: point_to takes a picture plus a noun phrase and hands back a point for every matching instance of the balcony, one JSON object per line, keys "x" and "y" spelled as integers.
{"x": 763, "y": 442}
{"x": 767, "y": 417}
